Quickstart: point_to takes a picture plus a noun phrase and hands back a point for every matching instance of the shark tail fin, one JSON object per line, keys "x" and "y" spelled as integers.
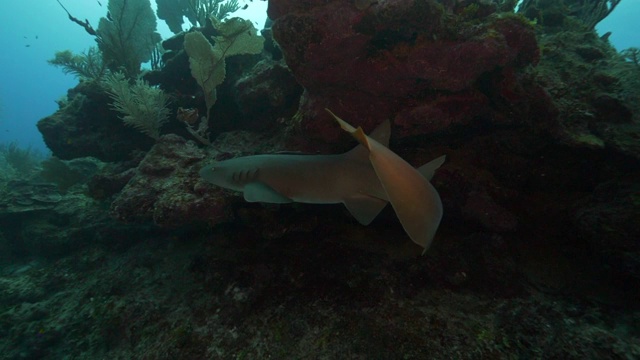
{"x": 429, "y": 169}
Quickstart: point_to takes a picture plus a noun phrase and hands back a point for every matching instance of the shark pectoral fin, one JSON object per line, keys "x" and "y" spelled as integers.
{"x": 429, "y": 169}
{"x": 364, "y": 208}
{"x": 261, "y": 192}
{"x": 415, "y": 201}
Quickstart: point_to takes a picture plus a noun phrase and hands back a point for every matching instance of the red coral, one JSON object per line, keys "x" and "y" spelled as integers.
{"x": 370, "y": 65}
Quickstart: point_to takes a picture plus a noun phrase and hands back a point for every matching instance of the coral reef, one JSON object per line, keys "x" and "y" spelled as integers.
{"x": 208, "y": 63}
{"x": 88, "y": 65}
{"x": 129, "y": 37}
{"x": 266, "y": 95}
{"x": 166, "y": 189}
{"x": 197, "y": 12}
{"x": 386, "y": 63}
{"x": 216, "y": 294}
{"x": 537, "y": 255}
{"x": 86, "y": 125}
{"x": 142, "y": 106}
{"x": 587, "y": 13}
{"x": 607, "y": 219}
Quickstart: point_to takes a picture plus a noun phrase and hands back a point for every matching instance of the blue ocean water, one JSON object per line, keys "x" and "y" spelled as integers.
{"x": 33, "y": 30}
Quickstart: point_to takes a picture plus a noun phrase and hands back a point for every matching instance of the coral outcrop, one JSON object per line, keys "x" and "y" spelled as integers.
{"x": 167, "y": 190}
{"x": 412, "y": 61}
{"x": 128, "y": 37}
{"x": 537, "y": 255}
{"x": 85, "y": 125}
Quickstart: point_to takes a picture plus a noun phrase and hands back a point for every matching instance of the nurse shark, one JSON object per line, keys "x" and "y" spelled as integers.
{"x": 364, "y": 179}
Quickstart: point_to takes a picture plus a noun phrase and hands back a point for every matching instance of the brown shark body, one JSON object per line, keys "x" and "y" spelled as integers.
{"x": 363, "y": 179}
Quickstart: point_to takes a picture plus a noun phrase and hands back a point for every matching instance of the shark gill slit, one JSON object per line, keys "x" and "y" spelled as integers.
{"x": 245, "y": 176}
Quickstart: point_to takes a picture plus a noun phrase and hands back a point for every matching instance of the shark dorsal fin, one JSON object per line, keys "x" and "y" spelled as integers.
{"x": 382, "y": 133}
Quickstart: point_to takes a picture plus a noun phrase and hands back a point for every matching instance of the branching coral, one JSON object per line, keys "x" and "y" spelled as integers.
{"x": 22, "y": 160}
{"x": 197, "y": 11}
{"x": 590, "y": 12}
{"x": 87, "y": 66}
{"x": 204, "y": 9}
{"x": 632, "y": 55}
{"x": 144, "y": 107}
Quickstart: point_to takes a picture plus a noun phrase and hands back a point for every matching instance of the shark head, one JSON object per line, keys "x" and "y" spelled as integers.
{"x": 230, "y": 174}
